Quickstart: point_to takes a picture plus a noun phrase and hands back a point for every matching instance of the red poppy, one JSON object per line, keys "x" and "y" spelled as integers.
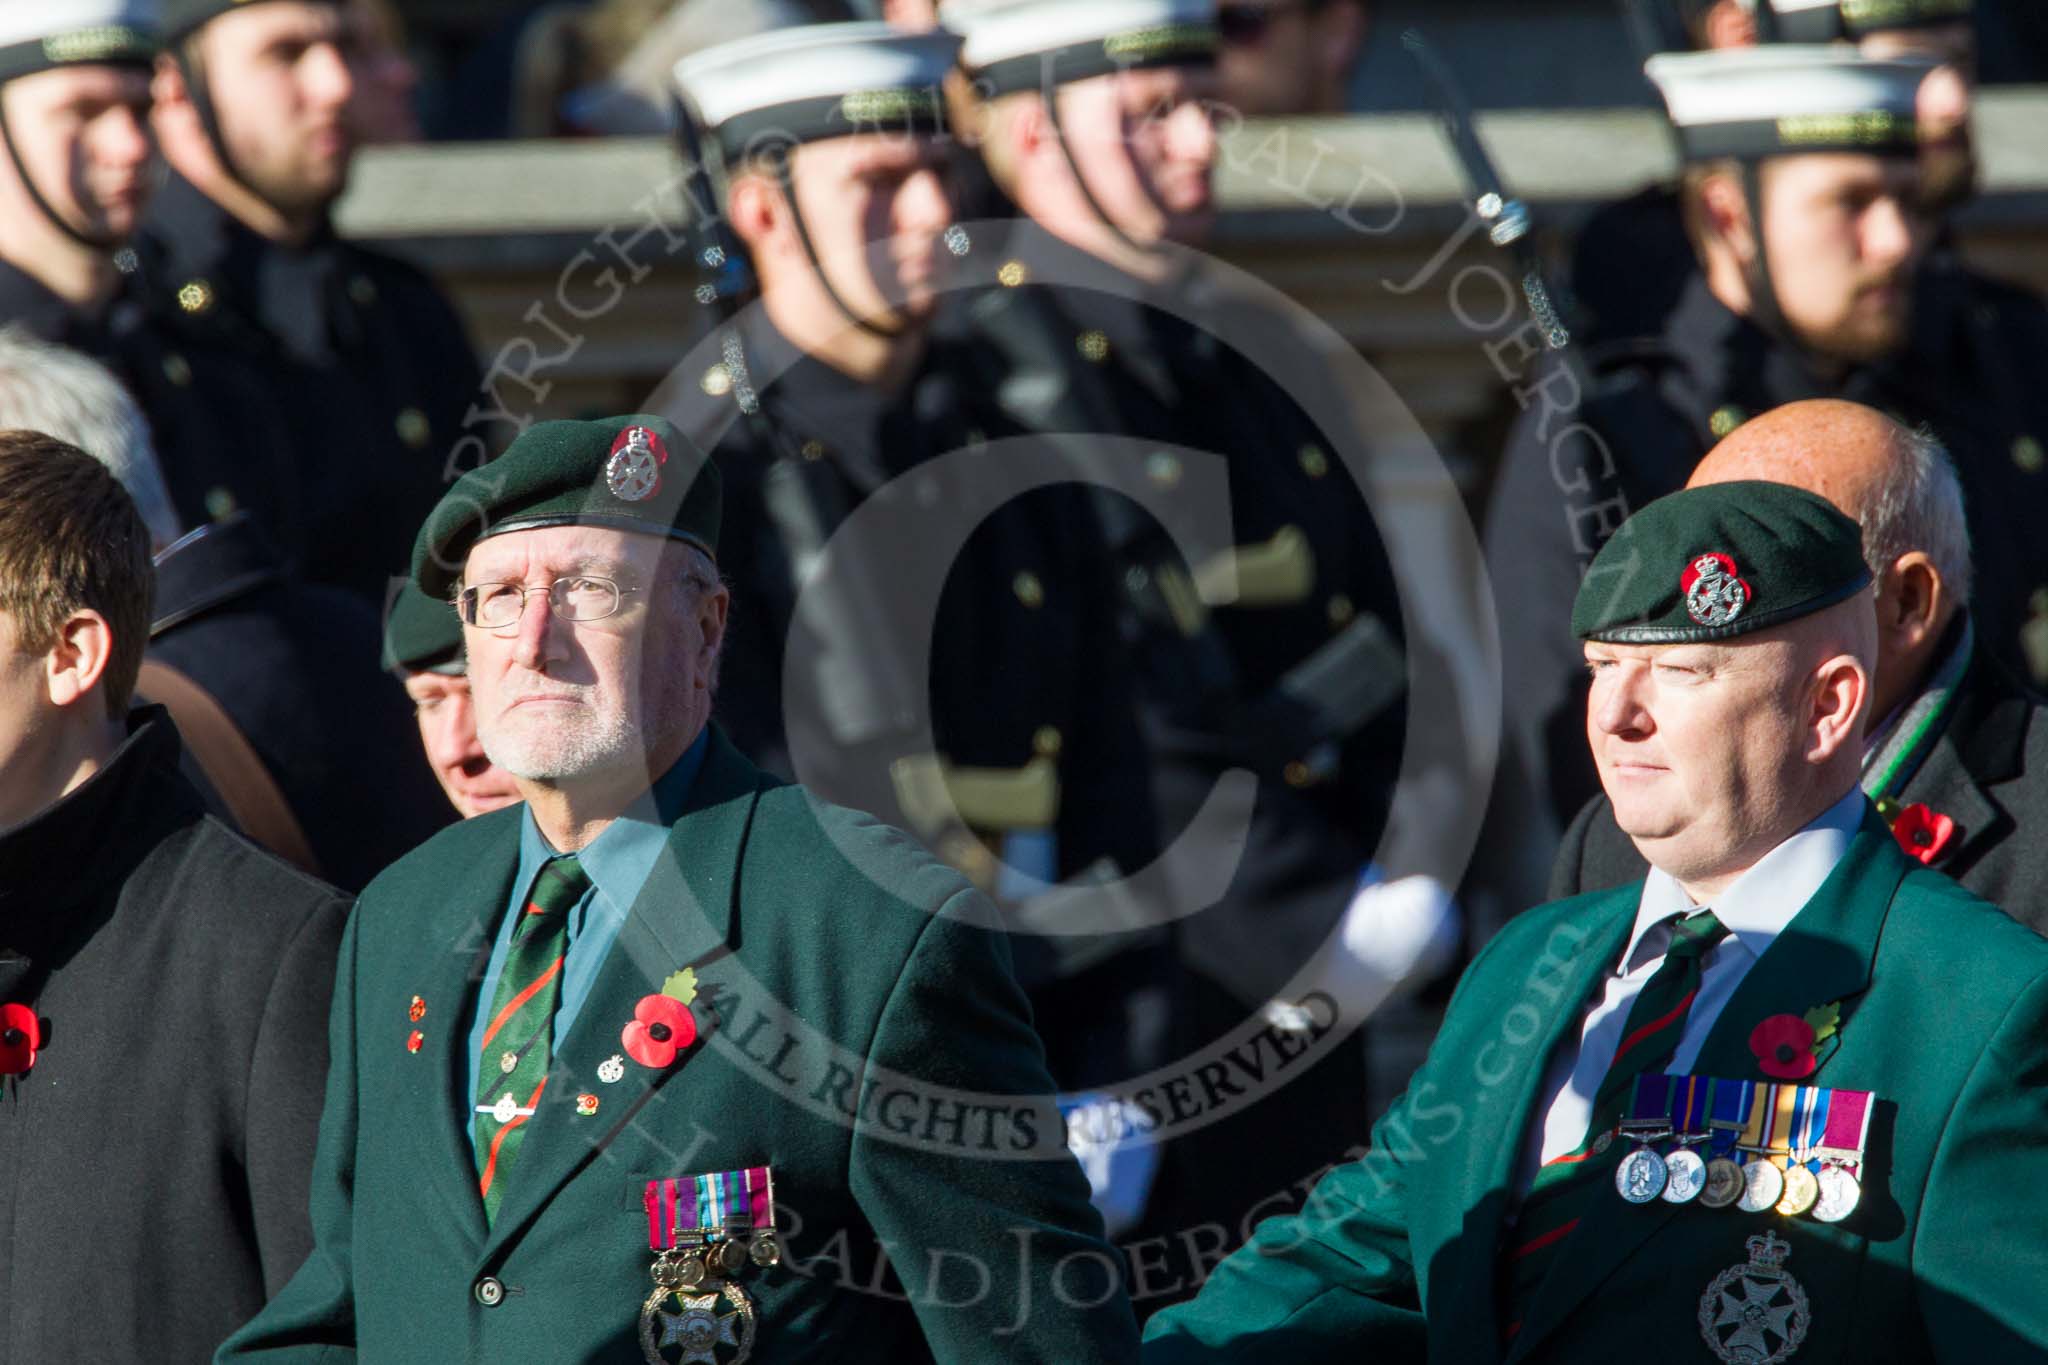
{"x": 415, "y": 1041}
{"x": 662, "y": 1026}
{"x": 21, "y": 1033}
{"x": 1922, "y": 832}
{"x": 1783, "y": 1045}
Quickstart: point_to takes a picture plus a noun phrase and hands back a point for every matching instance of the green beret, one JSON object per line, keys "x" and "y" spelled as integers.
{"x": 183, "y": 17}
{"x": 422, "y": 634}
{"x": 632, "y": 473}
{"x": 1717, "y": 562}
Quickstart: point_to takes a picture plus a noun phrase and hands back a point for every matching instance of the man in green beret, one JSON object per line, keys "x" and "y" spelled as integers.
{"x": 423, "y": 649}
{"x": 673, "y": 1062}
{"x": 1735, "y": 1110}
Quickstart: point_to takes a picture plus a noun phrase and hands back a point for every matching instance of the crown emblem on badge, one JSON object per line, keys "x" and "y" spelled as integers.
{"x": 1715, "y": 592}
{"x": 633, "y": 474}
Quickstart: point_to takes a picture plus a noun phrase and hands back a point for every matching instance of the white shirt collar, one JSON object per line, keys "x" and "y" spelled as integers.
{"x": 1758, "y": 905}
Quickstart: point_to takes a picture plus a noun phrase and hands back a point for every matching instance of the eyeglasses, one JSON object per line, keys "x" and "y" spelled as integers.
{"x": 580, "y": 598}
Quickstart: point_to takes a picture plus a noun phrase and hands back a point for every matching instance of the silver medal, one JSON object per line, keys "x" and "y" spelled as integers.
{"x": 1839, "y": 1194}
{"x": 1685, "y": 1175}
{"x": 1640, "y": 1177}
{"x": 1763, "y": 1185}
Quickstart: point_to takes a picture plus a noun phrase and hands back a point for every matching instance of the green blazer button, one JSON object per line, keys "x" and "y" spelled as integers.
{"x": 490, "y": 1291}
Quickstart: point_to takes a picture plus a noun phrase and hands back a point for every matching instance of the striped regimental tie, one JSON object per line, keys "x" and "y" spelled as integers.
{"x": 517, "y": 1046}
{"x": 1566, "y": 1186}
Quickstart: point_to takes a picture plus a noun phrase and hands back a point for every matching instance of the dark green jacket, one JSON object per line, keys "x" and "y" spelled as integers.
{"x": 1944, "y": 1016}
{"x": 840, "y": 973}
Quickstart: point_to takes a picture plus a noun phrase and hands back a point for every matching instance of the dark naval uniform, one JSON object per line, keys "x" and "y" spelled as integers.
{"x": 160, "y": 1144}
{"x": 1161, "y": 364}
{"x": 1984, "y": 765}
{"x": 331, "y": 381}
{"x": 1033, "y": 724}
{"x": 295, "y": 666}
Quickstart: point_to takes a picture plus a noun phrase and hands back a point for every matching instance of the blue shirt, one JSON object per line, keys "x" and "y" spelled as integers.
{"x": 619, "y": 862}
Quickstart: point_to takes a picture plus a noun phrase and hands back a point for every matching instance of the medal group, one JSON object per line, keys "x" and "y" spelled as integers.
{"x": 1750, "y": 1145}
{"x": 705, "y": 1230}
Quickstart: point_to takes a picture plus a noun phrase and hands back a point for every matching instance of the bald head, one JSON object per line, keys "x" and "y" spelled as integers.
{"x": 1842, "y": 451}
{"x": 1900, "y": 487}
{"x": 1897, "y": 483}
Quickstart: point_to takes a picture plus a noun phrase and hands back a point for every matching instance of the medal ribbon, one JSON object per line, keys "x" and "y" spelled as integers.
{"x": 1691, "y": 1104}
{"x": 1728, "y": 1104}
{"x": 1848, "y": 1129}
{"x": 1784, "y": 1116}
{"x": 1816, "y": 1121}
{"x": 709, "y": 1198}
{"x": 1649, "y": 1102}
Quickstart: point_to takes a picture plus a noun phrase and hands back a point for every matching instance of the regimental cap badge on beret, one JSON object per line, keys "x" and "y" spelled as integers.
{"x": 1717, "y": 562}
{"x": 632, "y": 473}
{"x": 1789, "y": 98}
{"x": 1714, "y": 592}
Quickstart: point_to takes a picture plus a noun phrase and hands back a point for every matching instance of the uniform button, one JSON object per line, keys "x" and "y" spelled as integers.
{"x": 1341, "y": 611}
{"x": 1726, "y": 420}
{"x": 1029, "y": 590}
{"x": 812, "y": 450}
{"x": 2028, "y": 455}
{"x": 1314, "y": 463}
{"x": 413, "y": 427}
{"x": 1047, "y": 741}
{"x": 195, "y": 296}
{"x": 1297, "y": 774}
{"x": 177, "y": 369}
{"x": 220, "y": 503}
{"x": 1093, "y": 345}
{"x": 362, "y": 290}
{"x": 1012, "y": 274}
{"x": 1163, "y": 468}
{"x": 717, "y": 381}
{"x": 490, "y": 1291}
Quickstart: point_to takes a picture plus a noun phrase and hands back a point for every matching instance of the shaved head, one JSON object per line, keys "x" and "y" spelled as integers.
{"x": 1900, "y": 487}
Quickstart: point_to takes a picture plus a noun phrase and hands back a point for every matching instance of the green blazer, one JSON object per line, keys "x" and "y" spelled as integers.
{"x": 1944, "y": 1016}
{"x": 839, "y": 977}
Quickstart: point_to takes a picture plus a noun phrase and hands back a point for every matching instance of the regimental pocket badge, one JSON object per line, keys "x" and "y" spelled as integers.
{"x": 1756, "y": 1314}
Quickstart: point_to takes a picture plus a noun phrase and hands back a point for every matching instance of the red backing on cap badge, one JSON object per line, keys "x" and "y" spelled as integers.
{"x": 1715, "y": 594}
{"x": 633, "y": 474}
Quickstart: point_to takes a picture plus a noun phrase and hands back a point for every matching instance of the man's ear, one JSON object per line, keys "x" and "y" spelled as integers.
{"x": 1339, "y": 36}
{"x": 77, "y": 661}
{"x": 754, "y": 208}
{"x": 1726, "y": 210}
{"x": 1841, "y": 694}
{"x": 167, "y": 85}
{"x": 1911, "y": 601}
{"x": 1728, "y": 24}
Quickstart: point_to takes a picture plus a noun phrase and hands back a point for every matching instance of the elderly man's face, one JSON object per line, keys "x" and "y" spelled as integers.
{"x": 442, "y": 706}
{"x": 560, "y": 701}
{"x": 1695, "y": 744}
